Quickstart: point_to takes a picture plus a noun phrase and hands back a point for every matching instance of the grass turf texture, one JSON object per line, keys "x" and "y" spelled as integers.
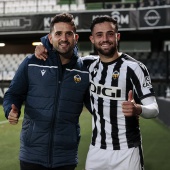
{"x": 156, "y": 143}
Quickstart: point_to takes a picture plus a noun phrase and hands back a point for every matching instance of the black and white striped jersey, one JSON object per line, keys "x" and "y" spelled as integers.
{"x": 109, "y": 87}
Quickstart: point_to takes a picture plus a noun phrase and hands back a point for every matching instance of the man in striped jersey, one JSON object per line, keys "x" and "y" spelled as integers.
{"x": 121, "y": 90}
{"x": 117, "y": 80}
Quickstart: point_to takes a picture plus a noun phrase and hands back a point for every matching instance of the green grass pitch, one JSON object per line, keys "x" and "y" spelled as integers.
{"x": 156, "y": 143}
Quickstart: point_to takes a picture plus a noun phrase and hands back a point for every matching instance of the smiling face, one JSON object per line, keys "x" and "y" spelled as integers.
{"x": 63, "y": 38}
{"x": 105, "y": 39}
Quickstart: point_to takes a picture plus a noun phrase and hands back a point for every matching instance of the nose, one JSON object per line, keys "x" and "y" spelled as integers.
{"x": 105, "y": 37}
{"x": 64, "y": 37}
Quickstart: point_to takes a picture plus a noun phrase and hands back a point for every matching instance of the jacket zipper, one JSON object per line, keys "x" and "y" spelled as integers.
{"x": 55, "y": 113}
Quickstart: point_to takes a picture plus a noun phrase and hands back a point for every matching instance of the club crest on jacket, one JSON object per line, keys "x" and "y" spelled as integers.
{"x": 77, "y": 78}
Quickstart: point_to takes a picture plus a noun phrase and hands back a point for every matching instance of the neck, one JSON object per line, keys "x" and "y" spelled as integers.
{"x": 108, "y": 59}
{"x": 65, "y": 58}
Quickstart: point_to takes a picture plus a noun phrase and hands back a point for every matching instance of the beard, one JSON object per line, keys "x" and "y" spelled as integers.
{"x": 107, "y": 53}
{"x": 66, "y": 53}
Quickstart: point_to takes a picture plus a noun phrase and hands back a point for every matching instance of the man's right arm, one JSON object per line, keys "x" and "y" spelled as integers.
{"x": 41, "y": 52}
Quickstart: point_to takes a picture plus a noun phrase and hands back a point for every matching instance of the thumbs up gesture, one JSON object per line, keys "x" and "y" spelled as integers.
{"x": 13, "y": 115}
{"x": 130, "y": 108}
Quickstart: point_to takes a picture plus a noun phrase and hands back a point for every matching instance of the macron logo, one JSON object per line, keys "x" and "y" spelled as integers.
{"x": 43, "y": 72}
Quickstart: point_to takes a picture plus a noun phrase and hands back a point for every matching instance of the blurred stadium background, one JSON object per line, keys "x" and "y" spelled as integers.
{"x": 144, "y": 26}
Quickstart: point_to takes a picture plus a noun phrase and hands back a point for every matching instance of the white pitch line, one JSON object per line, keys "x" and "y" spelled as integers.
{"x": 6, "y": 121}
{"x": 3, "y": 122}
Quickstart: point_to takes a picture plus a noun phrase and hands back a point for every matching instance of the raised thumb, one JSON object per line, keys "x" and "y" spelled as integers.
{"x": 130, "y": 96}
{"x": 14, "y": 108}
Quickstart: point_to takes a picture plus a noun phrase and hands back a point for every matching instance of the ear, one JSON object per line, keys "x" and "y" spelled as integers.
{"x": 76, "y": 37}
{"x": 91, "y": 39}
{"x": 118, "y": 36}
{"x": 50, "y": 38}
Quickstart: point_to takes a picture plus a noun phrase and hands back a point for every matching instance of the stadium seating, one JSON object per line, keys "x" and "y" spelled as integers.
{"x": 9, "y": 64}
{"x": 26, "y": 6}
{"x": 155, "y": 62}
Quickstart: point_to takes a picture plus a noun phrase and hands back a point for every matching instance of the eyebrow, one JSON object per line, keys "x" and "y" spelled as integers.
{"x": 65, "y": 31}
{"x": 106, "y": 32}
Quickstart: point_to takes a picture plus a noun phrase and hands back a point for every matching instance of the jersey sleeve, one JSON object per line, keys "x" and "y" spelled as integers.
{"x": 142, "y": 82}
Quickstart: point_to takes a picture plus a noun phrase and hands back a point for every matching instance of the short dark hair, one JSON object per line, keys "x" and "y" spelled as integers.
{"x": 64, "y": 17}
{"x": 102, "y": 19}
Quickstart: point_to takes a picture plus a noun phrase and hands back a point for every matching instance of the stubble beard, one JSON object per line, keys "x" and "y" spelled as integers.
{"x": 107, "y": 53}
{"x": 66, "y": 53}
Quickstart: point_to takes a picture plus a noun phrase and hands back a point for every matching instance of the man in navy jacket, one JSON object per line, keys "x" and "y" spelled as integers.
{"x": 53, "y": 92}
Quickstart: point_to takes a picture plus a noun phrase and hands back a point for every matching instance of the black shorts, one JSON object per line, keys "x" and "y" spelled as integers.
{"x": 31, "y": 166}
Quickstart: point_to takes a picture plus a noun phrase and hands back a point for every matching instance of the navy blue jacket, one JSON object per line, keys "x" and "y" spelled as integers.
{"x": 53, "y": 96}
